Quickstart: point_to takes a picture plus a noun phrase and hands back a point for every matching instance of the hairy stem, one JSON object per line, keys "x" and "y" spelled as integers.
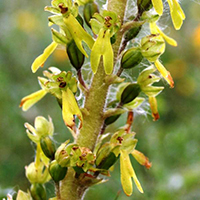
{"x": 71, "y": 188}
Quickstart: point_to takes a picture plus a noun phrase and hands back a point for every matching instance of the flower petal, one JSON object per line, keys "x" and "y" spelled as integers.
{"x": 154, "y": 108}
{"x": 78, "y": 33}
{"x": 102, "y": 47}
{"x": 70, "y": 108}
{"x": 158, "y": 5}
{"x": 127, "y": 172}
{"x": 155, "y": 29}
{"x": 166, "y": 75}
{"x": 40, "y": 60}
{"x": 177, "y": 13}
{"x": 31, "y": 99}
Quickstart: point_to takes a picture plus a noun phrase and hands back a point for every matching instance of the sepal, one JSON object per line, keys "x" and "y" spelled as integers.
{"x": 40, "y": 60}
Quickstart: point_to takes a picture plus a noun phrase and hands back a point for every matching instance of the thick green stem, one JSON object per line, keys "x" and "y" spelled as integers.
{"x": 71, "y": 188}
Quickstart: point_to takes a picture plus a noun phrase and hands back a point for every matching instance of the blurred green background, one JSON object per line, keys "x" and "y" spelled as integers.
{"x": 172, "y": 143}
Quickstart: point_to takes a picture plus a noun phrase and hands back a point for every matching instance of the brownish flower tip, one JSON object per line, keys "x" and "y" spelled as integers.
{"x": 155, "y": 116}
{"x": 148, "y": 164}
{"x": 171, "y": 80}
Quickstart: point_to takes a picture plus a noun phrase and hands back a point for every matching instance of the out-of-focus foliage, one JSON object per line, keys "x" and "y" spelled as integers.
{"x": 172, "y": 143}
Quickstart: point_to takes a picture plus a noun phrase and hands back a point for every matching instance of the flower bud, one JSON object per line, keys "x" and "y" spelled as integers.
{"x": 130, "y": 93}
{"x": 56, "y": 171}
{"x": 131, "y": 58}
{"x": 89, "y": 10}
{"x": 38, "y": 191}
{"x": 132, "y": 33}
{"x": 108, "y": 161}
{"x": 152, "y": 47}
{"x": 48, "y": 147}
{"x": 113, "y": 38}
{"x": 79, "y": 19}
{"x": 75, "y": 55}
{"x": 62, "y": 156}
{"x": 111, "y": 119}
{"x": 105, "y": 157}
{"x": 143, "y": 5}
{"x": 37, "y": 173}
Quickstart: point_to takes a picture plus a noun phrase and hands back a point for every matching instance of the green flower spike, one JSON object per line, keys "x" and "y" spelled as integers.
{"x": 78, "y": 33}
{"x": 102, "y": 47}
{"x": 127, "y": 173}
{"x": 70, "y": 108}
{"x": 40, "y": 60}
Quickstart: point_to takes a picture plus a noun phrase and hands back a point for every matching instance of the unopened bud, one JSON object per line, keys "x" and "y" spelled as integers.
{"x": 131, "y": 58}
{"x": 130, "y": 93}
{"x": 62, "y": 156}
{"x": 89, "y": 10}
{"x": 132, "y": 33}
{"x": 152, "y": 47}
{"x": 105, "y": 157}
{"x": 113, "y": 38}
{"x": 79, "y": 19}
{"x": 56, "y": 171}
{"x": 75, "y": 55}
{"x": 108, "y": 161}
{"x": 48, "y": 147}
{"x": 111, "y": 119}
{"x": 38, "y": 191}
{"x": 144, "y": 5}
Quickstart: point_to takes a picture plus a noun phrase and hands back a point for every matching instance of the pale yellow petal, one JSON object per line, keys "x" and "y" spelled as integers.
{"x": 158, "y": 6}
{"x": 166, "y": 75}
{"x": 127, "y": 172}
{"x": 31, "y": 99}
{"x": 70, "y": 108}
{"x": 177, "y": 13}
{"x": 40, "y": 60}
{"x": 155, "y": 29}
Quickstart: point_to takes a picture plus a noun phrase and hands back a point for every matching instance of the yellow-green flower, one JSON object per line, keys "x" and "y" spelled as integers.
{"x": 70, "y": 108}
{"x": 78, "y": 33}
{"x": 102, "y": 47}
{"x": 62, "y": 85}
{"x": 127, "y": 173}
